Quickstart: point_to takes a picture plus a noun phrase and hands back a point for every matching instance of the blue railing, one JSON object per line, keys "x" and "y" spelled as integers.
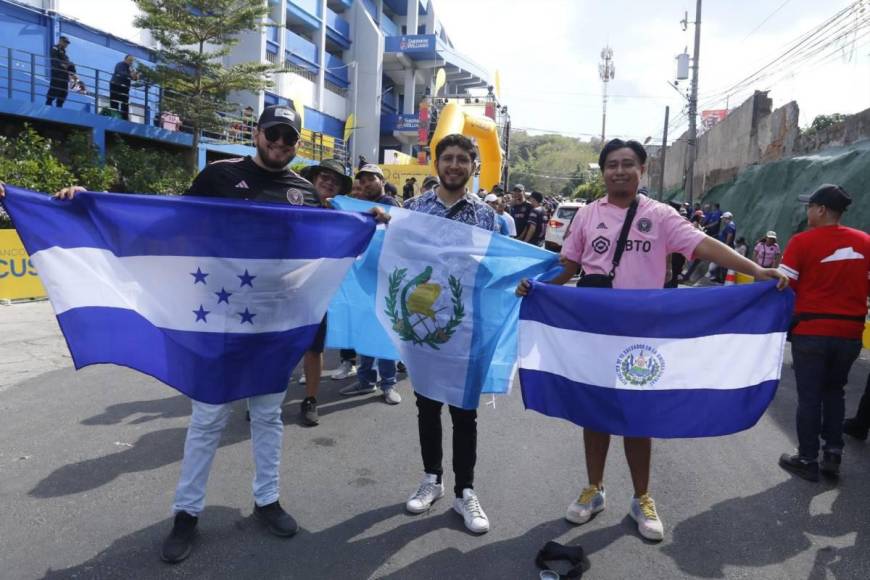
{"x": 25, "y": 76}
{"x": 312, "y": 7}
{"x": 336, "y": 71}
{"x": 300, "y": 51}
{"x": 389, "y": 27}
{"x": 337, "y": 28}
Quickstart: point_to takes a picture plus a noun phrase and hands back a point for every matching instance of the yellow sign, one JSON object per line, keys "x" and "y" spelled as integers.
{"x": 397, "y": 174}
{"x": 18, "y": 278}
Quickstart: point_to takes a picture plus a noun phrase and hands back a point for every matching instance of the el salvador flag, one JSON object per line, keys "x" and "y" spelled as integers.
{"x": 216, "y": 298}
{"x": 443, "y": 293}
{"x": 653, "y": 363}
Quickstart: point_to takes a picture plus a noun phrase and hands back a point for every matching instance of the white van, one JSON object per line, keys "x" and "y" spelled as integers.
{"x": 558, "y": 224}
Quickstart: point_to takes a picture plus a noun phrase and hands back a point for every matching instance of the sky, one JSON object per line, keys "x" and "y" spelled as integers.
{"x": 547, "y": 54}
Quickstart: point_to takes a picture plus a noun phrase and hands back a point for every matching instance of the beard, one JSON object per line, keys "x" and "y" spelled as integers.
{"x": 266, "y": 156}
{"x": 453, "y": 182}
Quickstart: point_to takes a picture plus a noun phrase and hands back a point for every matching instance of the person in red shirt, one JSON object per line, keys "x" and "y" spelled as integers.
{"x": 829, "y": 270}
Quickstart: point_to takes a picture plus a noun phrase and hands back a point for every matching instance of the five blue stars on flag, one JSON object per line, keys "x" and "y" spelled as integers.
{"x": 246, "y": 279}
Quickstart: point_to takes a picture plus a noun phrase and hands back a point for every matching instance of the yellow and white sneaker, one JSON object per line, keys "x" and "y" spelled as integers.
{"x": 590, "y": 502}
{"x": 643, "y": 511}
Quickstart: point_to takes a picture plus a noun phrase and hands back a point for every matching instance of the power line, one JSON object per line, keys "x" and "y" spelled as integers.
{"x": 763, "y": 22}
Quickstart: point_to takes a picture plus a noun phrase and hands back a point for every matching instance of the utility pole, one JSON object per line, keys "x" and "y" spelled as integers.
{"x": 693, "y": 110}
{"x": 664, "y": 154}
{"x": 606, "y": 71}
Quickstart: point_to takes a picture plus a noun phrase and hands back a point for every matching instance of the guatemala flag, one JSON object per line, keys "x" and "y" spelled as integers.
{"x": 216, "y": 298}
{"x": 443, "y": 292}
{"x": 653, "y": 363}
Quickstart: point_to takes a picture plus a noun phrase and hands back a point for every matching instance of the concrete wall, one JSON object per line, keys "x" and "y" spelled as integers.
{"x": 750, "y": 134}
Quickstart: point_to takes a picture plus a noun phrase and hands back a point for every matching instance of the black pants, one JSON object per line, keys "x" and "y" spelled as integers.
{"x": 821, "y": 369}
{"x": 862, "y": 417}
{"x": 57, "y": 91}
{"x": 119, "y": 99}
{"x": 348, "y": 354}
{"x": 464, "y": 441}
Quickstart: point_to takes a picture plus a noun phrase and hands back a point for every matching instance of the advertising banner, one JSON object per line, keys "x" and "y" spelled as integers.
{"x": 18, "y": 277}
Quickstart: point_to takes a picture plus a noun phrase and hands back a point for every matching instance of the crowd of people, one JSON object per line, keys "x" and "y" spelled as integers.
{"x": 827, "y": 267}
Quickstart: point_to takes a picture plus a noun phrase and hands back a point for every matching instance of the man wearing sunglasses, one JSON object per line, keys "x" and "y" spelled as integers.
{"x": 264, "y": 177}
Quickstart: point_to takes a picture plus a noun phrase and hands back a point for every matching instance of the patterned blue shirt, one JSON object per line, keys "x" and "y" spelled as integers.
{"x": 475, "y": 213}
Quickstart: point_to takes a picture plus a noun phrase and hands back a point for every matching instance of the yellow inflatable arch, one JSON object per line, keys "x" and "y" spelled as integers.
{"x": 452, "y": 120}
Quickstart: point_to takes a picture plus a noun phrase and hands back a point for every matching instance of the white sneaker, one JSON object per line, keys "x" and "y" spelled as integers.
{"x": 345, "y": 370}
{"x": 591, "y": 501}
{"x": 392, "y": 396}
{"x": 468, "y": 506}
{"x": 426, "y": 494}
{"x": 643, "y": 510}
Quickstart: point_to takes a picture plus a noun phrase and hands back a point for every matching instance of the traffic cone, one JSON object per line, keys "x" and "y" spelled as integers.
{"x": 730, "y": 278}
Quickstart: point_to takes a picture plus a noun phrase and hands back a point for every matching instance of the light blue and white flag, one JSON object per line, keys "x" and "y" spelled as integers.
{"x": 654, "y": 363}
{"x": 443, "y": 292}
{"x": 216, "y": 298}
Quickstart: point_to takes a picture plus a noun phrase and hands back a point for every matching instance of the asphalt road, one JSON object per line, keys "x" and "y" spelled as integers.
{"x": 89, "y": 461}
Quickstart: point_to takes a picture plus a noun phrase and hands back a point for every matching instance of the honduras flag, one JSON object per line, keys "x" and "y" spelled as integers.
{"x": 443, "y": 292}
{"x": 216, "y": 298}
{"x": 653, "y": 363}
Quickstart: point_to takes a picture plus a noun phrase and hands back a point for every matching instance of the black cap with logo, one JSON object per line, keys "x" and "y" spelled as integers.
{"x": 828, "y": 195}
{"x": 280, "y": 115}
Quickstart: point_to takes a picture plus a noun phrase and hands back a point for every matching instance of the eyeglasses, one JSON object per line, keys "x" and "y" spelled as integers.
{"x": 283, "y": 132}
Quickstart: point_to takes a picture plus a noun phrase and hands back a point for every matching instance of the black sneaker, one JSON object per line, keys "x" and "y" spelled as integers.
{"x": 309, "y": 412}
{"x": 853, "y": 429}
{"x": 276, "y": 519}
{"x": 178, "y": 545}
{"x": 804, "y": 468}
{"x": 830, "y": 464}
{"x": 401, "y": 368}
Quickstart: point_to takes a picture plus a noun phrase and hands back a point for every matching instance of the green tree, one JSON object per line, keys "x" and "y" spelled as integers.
{"x": 148, "y": 170}
{"x": 195, "y": 37}
{"x": 592, "y": 189}
{"x": 551, "y": 164}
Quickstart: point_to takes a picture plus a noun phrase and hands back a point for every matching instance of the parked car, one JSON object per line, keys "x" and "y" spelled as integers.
{"x": 559, "y": 223}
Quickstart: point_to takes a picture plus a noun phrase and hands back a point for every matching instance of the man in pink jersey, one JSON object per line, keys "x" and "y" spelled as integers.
{"x": 655, "y": 231}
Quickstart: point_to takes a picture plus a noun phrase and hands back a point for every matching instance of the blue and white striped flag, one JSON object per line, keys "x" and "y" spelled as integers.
{"x": 216, "y": 298}
{"x": 654, "y": 363}
{"x": 443, "y": 292}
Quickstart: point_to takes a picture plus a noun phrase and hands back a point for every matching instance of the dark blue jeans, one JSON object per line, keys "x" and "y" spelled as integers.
{"x": 821, "y": 369}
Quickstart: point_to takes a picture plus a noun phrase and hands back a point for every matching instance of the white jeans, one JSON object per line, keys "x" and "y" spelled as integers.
{"x": 207, "y": 422}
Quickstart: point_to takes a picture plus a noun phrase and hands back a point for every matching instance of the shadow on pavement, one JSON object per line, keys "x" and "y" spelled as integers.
{"x": 513, "y": 558}
{"x": 771, "y": 527}
{"x": 231, "y": 545}
{"x": 170, "y": 408}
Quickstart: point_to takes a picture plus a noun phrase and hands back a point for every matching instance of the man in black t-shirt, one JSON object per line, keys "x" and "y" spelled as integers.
{"x": 536, "y": 226}
{"x": 264, "y": 177}
{"x": 520, "y": 209}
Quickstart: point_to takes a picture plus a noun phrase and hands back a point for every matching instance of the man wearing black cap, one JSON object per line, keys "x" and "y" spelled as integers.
{"x": 265, "y": 177}
{"x": 62, "y": 69}
{"x": 371, "y": 180}
{"x": 828, "y": 267}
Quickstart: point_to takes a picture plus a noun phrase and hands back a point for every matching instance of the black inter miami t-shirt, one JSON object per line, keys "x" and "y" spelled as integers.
{"x": 241, "y": 178}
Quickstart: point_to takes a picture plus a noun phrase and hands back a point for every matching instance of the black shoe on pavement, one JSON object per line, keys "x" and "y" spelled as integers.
{"x": 853, "y": 429}
{"x": 309, "y": 412}
{"x": 276, "y": 519}
{"x": 804, "y": 468}
{"x": 177, "y": 546}
{"x": 401, "y": 368}
{"x": 830, "y": 465}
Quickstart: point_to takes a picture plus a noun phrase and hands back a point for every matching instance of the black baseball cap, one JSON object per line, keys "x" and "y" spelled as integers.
{"x": 829, "y": 195}
{"x": 64, "y": 39}
{"x": 280, "y": 115}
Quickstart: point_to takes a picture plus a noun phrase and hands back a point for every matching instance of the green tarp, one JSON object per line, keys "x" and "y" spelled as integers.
{"x": 764, "y": 197}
